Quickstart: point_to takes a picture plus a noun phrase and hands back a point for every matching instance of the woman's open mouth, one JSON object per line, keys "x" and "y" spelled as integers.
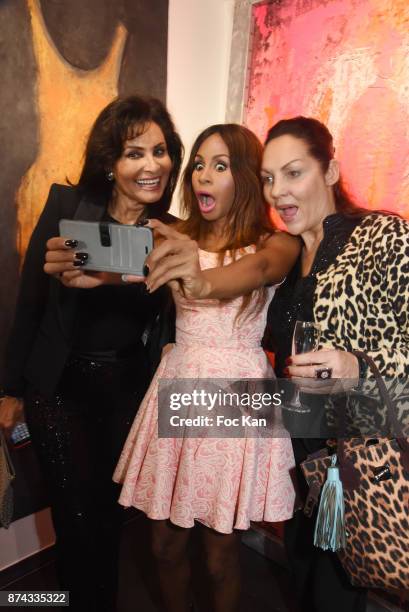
{"x": 287, "y": 212}
{"x": 148, "y": 184}
{"x": 206, "y": 202}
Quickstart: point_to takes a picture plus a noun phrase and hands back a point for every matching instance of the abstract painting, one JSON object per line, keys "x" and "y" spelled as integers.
{"x": 345, "y": 62}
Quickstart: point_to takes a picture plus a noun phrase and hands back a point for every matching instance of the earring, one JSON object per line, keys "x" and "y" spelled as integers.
{"x": 110, "y": 175}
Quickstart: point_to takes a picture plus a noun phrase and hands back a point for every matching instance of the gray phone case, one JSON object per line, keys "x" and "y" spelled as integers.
{"x": 111, "y": 247}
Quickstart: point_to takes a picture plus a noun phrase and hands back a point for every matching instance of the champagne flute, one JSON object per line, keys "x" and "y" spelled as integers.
{"x": 306, "y": 338}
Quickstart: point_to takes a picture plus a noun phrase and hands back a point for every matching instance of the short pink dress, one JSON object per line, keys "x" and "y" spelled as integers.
{"x": 223, "y": 483}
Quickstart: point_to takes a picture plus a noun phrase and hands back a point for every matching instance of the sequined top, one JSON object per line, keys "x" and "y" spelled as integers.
{"x": 294, "y": 299}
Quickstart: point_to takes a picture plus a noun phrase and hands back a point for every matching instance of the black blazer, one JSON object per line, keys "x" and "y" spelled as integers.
{"x": 43, "y": 329}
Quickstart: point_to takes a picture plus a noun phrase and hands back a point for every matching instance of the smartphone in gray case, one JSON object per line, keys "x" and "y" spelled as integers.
{"x": 111, "y": 247}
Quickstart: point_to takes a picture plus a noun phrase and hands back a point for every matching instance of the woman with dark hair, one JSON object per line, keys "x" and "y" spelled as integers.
{"x": 222, "y": 483}
{"x": 351, "y": 278}
{"x": 75, "y": 358}
{"x": 332, "y": 275}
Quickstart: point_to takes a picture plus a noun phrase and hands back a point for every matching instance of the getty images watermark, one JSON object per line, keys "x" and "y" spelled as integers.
{"x": 265, "y": 408}
{"x": 218, "y": 408}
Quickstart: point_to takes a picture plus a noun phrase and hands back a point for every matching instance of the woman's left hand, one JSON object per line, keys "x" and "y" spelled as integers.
{"x": 341, "y": 363}
{"x": 343, "y": 366}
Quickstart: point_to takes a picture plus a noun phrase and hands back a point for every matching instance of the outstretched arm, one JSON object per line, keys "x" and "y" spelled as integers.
{"x": 176, "y": 261}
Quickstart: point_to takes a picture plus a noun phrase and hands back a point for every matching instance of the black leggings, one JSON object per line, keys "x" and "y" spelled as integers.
{"x": 78, "y": 435}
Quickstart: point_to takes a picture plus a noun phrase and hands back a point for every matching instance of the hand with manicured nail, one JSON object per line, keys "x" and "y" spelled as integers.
{"x": 344, "y": 365}
{"x": 65, "y": 264}
{"x": 71, "y": 244}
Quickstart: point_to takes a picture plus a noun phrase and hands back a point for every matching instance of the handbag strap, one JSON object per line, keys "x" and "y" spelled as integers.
{"x": 384, "y": 394}
{"x": 397, "y": 429}
{"x": 9, "y": 464}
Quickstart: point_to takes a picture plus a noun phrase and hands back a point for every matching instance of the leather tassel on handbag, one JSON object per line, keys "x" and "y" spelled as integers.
{"x": 330, "y": 525}
{"x": 375, "y": 478}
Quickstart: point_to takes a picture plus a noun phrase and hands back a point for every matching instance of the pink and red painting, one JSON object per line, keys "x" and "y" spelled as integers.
{"x": 346, "y": 63}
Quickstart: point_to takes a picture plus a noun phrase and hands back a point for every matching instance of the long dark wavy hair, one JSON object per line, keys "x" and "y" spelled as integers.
{"x": 320, "y": 145}
{"x": 123, "y": 119}
{"x": 248, "y": 218}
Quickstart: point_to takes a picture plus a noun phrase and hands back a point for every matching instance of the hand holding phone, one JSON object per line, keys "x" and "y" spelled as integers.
{"x": 111, "y": 247}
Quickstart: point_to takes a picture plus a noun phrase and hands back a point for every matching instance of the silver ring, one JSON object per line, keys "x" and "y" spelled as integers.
{"x": 124, "y": 278}
{"x": 323, "y": 373}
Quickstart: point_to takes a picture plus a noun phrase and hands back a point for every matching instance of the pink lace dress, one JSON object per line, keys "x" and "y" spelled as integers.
{"x": 222, "y": 482}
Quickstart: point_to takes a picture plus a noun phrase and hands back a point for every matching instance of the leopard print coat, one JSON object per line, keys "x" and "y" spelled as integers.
{"x": 362, "y": 302}
{"x": 362, "y": 299}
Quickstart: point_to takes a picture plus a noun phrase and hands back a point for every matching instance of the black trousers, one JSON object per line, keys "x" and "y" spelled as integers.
{"x": 320, "y": 581}
{"x": 78, "y": 435}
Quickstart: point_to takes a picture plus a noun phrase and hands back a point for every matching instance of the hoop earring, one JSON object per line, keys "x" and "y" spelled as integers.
{"x": 110, "y": 175}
